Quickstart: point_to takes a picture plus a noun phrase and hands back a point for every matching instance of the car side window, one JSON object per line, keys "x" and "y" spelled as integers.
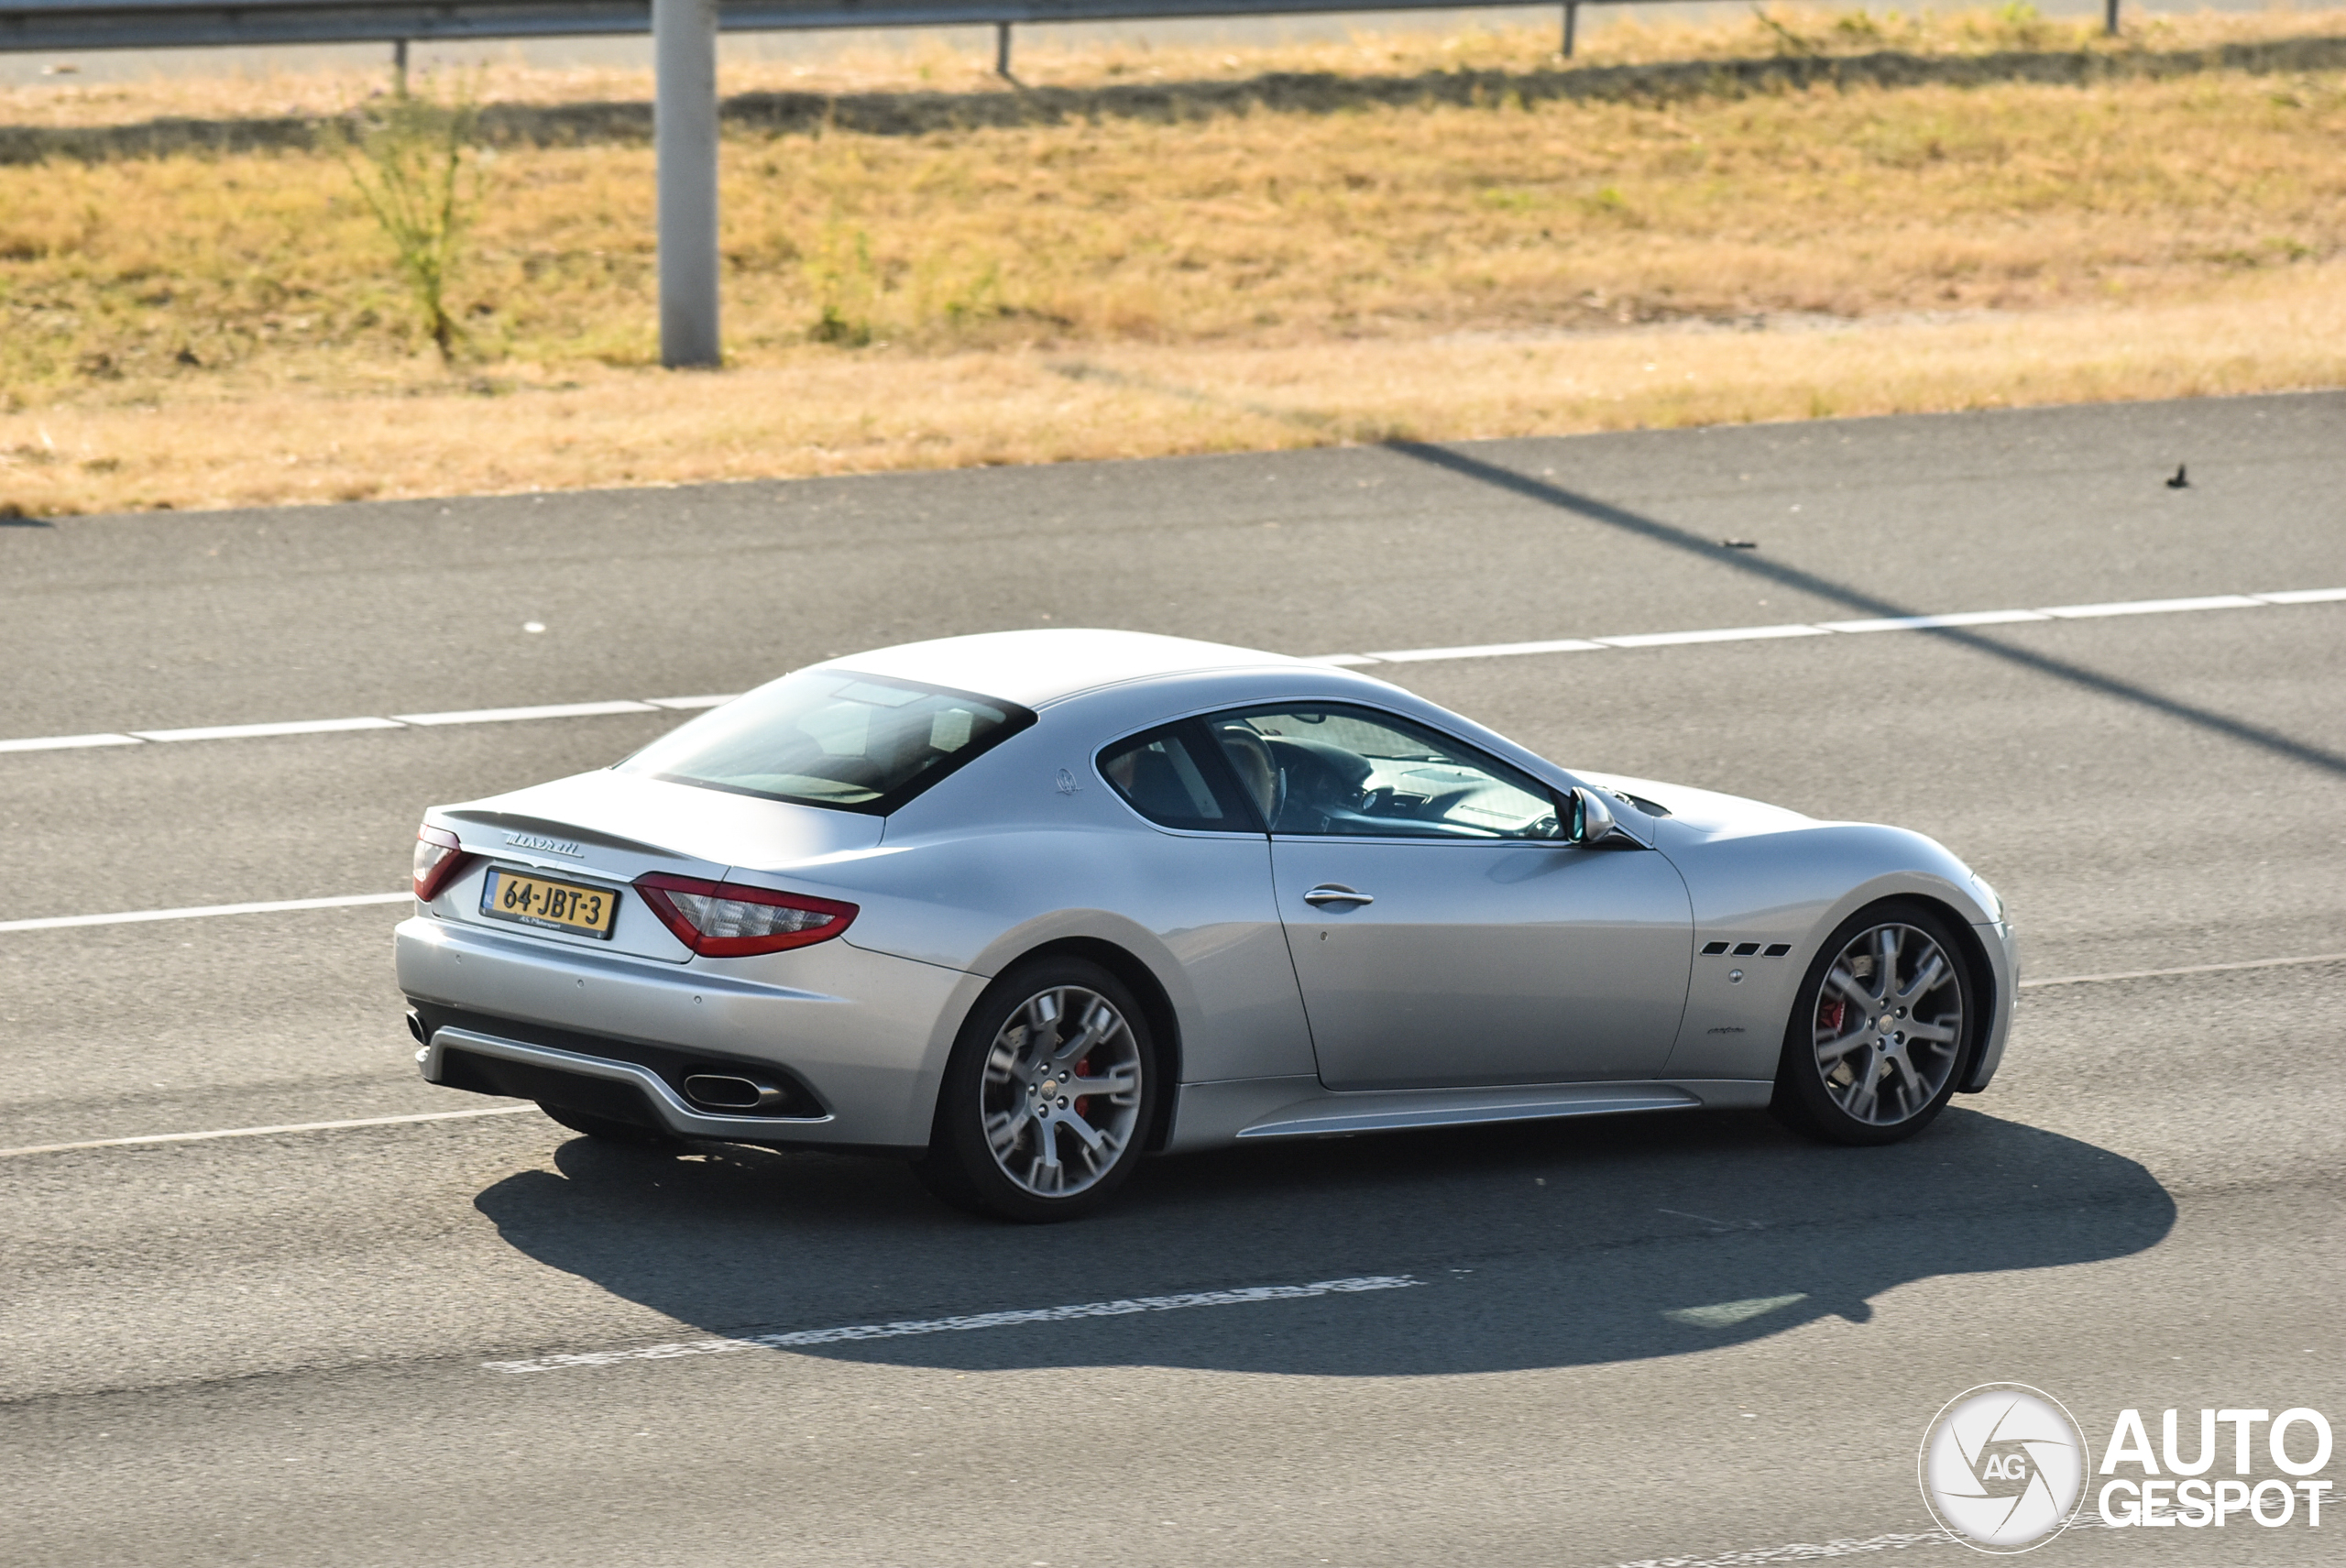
{"x": 1352, "y": 771}
{"x": 1172, "y": 777}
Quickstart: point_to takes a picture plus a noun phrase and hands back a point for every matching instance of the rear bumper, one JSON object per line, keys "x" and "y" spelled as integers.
{"x": 621, "y": 1091}
{"x": 864, "y": 1035}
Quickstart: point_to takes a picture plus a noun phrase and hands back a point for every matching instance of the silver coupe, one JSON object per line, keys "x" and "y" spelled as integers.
{"x": 1026, "y": 906}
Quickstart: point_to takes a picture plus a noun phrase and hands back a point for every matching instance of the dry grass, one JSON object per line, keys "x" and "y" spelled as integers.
{"x": 198, "y": 332}
{"x": 819, "y": 412}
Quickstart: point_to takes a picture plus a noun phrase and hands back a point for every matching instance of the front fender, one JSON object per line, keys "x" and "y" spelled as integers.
{"x": 1768, "y": 901}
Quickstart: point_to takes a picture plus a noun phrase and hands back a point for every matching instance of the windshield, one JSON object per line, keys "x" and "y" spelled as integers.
{"x": 832, "y": 738}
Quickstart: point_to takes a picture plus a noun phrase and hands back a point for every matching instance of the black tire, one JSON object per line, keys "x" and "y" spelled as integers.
{"x": 1909, "y": 1072}
{"x": 610, "y": 1129}
{"x": 1002, "y": 1075}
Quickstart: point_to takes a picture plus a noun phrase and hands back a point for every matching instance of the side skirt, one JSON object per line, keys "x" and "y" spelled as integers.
{"x": 1246, "y": 1109}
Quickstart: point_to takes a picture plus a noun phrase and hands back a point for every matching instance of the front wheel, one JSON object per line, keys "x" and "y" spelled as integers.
{"x": 1046, "y": 1097}
{"x": 1882, "y": 1022}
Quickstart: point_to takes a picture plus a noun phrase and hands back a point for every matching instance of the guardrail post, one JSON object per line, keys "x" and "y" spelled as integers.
{"x": 1002, "y": 51}
{"x": 684, "y": 137}
{"x": 1571, "y": 19}
{"x": 2109, "y": 18}
{"x": 399, "y": 67}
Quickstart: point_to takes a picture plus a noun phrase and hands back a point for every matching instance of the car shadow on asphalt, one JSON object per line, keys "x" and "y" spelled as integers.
{"x": 1503, "y": 1248}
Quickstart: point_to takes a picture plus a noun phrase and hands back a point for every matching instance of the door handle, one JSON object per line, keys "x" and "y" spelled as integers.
{"x": 1334, "y": 892}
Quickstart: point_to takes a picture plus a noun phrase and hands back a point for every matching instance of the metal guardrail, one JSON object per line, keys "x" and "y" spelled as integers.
{"x": 57, "y": 25}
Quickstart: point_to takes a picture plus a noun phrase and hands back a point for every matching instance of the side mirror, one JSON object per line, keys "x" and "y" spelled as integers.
{"x": 1592, "y": 819}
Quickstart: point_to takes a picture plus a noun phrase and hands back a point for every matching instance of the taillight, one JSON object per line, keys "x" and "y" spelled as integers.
{"x": 729, "y": 920}
{"x": 438, "y": 857}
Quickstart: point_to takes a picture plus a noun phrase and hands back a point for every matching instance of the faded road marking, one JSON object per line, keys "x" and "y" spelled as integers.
{"x": 264, "y": 1132}
{"x": 1119, "y": 1308}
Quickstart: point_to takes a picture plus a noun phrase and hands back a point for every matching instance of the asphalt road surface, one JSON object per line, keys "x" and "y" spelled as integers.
{"x": 1593, "y": 1342}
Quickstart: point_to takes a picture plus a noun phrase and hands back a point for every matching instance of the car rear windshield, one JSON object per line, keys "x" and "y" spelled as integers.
{"x": 831, "y": 737}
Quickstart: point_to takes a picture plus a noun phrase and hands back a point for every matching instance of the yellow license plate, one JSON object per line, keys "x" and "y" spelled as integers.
{"x": 557, "y": 906}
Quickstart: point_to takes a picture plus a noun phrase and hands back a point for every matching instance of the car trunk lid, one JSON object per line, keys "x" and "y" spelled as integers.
{"x": 602, "y": 830}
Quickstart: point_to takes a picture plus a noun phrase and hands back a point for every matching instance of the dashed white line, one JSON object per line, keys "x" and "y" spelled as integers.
{"x": 363, "y": 722}
{"x": 1486, "y": 651}
{"x": 1843, "y": 1546}
{"x": 513, "y": 715}
{"x": 201, "y": 911}
{"x": 1123, "y": 1306}
{"x": 1926, "y": 622}
{"x": 2154, "y": 607}
{"x": 2185, "y": 969}
{"x": 1389, "y": 656}
{"x": 66, "y": 742}
{"x": 1719, "y": 634}
{"x": 266, "y": 1131}
{"x": 1802, "y": 1552}
{"x": 252, "y": 732}
{"x": 1829, "y": 627}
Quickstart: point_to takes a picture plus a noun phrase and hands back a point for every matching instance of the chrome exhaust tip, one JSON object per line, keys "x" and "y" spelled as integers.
{"x": 415, "y": 1028}
{"x": 723, "y": 1091}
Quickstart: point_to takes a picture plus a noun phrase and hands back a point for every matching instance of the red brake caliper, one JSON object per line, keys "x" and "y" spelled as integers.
{"x": 1082, "y": 1101}
{"x": 1829, "y": 1014}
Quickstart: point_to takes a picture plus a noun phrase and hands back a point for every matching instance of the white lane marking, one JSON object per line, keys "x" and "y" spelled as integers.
{"x": 264, "y": 1132}
{"x": 201, "y": 911}
{"x": 1483, "y": 651}
{"x": 511, "y": 714}
{"x": 1727, "y": 1314}
{"x": 1123, "y": 1306}
{"x": 1799, "y": 1551}
{"x": 2304, "y": 596}
{"x": 2155, "y": 607}
{"x": 1718, "y": 1224}
{"x": 2186, "y": 968}
{"x": 1390, "y": 656}
{"x": 1721, "y": 634}
{"x": 249, "y": 731}
{"x": 1925, "y": 622}
{"x": 1824, "y": 628}
{"x": 66, "y": 742}
{"x": 1815, "y": 1551}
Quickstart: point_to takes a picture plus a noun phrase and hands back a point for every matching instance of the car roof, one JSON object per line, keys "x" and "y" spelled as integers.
{"x": 1039, "y": 667}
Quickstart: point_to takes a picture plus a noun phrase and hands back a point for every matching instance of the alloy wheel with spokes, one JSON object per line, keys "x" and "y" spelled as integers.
{"x": 1062, "y": 1100}
{"x": 1878, "y": 1031}
{"x": 1045, "y": 1101}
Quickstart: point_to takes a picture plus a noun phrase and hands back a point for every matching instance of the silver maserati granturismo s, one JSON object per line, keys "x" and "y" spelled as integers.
{"x": 1024, "y": 907}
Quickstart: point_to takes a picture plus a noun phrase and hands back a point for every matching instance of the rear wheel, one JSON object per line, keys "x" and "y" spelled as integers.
{"x": 1047, "y": 1098}
{"x": 1882, "y": 1020}
{"x": 610, "y": 1129}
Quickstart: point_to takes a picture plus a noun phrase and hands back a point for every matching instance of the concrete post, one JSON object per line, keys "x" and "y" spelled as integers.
{"x": 1571, "y": 19}
{"x": 1002, "y": 51}
{"x": 683, "y": 134}
{"x": 2109, "y": 18}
